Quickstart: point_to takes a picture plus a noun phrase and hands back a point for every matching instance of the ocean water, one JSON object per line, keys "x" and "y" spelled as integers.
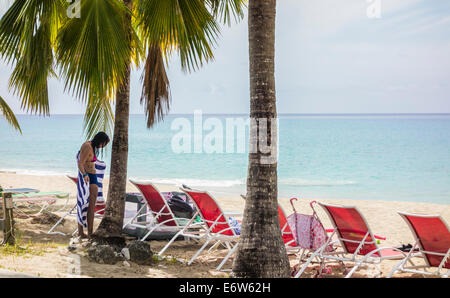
{"x": 362, "y": 157}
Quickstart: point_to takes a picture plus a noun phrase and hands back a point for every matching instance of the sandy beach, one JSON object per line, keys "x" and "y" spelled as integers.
{"x": 48, "y": 256}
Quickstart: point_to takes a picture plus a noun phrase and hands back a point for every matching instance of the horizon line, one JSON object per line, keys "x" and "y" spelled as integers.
{"x": 280, "y": 114}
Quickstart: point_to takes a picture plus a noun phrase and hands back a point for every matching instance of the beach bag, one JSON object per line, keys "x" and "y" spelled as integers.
{"x": 308, "y": 231}
{"x": 179, "y": 207}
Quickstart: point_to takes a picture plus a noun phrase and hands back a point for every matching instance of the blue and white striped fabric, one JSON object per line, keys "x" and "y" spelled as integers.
{"x": 83, "y": 192}
{"x": 82, "y": 198}
{"x": 100, "y": 167}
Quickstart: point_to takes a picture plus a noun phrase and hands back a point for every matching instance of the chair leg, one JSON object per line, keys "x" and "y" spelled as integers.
{"x": 199, "y": 251}
{"x": 215, "y": 245}
{"x": 230, "y": 253}
{"x": 58, "y": 222}
{"x": 134, "y": 217}
{"x": 170, "y": 242}
{"x": 397, "y": 267}
{"x": 42, "y": 209}
{"x": 300, "y": 272}
{"x": 300, "y": 256}
{"x": 357, "y": 265}
{"x": 149, "y": 233}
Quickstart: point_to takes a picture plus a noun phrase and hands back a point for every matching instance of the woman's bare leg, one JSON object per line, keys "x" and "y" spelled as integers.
{"x": 81, "y": 233}
{"x": 93, "y": 192}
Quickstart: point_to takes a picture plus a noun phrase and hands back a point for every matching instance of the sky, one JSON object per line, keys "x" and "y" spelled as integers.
{"x": 332, "y": 56}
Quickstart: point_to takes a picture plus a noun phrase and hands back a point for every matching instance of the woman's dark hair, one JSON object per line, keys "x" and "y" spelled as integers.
{"x": 99, "y": 139}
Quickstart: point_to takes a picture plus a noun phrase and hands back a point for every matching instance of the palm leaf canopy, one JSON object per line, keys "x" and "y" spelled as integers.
{"x": 27, "y": 31}
{"x": 90, "y": 54}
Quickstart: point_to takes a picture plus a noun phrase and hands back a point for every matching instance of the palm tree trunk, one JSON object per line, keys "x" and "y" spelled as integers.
{"x": 110, "y": 228}
{"x": 261, "y": 252}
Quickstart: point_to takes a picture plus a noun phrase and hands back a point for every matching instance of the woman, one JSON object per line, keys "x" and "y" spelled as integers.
{"x": 86, "y": 165}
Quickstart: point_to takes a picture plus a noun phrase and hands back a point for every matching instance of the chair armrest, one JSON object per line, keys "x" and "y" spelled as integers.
{"x": 376, "y": 236}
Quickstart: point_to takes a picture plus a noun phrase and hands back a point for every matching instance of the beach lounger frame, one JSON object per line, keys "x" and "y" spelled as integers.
{"x": 364, "y": 251}
{"x": 443, "y": 265}
{"x": 47, "y": 197}
{"x": 216, "y": 230}
{"x": 163, "y": 217}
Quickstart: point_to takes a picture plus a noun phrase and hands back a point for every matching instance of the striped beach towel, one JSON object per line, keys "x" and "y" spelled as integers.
{"x": 83, "y": 193}
{"x": 100, "y": 167}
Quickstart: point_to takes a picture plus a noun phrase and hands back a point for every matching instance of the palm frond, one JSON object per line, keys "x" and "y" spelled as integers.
{"x": 185, "y": 26}
{"x": 31, "y": 72}
{"x": 156, "y": 90}
{"x": 224, "y": 10}
{"x": 27, "y": 33}
{"x": 93, "y": 50}
{"x": 9, "y": 115}
{"x": 98, "y": 117}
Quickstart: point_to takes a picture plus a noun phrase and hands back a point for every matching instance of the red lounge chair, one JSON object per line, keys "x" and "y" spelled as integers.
{"x": 216, "y": 224}
{"x": 159, "y": 215}
{"x": 432, "y": 237}
{"x": 358, "y": 244}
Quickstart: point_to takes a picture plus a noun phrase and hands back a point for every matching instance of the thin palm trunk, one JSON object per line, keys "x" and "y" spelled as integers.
{"x": 111, "y": 225}
{"x": 261, "y": 252}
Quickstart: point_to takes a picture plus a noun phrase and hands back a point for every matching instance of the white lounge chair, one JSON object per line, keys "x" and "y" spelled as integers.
{"x": 432, "y": 237}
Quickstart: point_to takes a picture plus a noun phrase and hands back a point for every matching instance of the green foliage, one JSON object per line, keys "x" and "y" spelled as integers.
{"x": 27, "y": 32}
{"x": 90, "y": 54}
{"x": 93, "y": 51}
{"x": 224, "y": 10}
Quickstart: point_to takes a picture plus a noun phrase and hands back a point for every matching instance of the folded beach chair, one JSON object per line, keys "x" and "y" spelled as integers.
{"x": 357, "y": 243}
{"x": 216, "y": 224}
{"x": 159, "y": 216}
{"x": 432, "y": 237}
{"x": 99, "y": 207}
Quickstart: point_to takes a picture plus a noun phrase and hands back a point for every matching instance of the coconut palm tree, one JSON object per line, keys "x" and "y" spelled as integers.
{"x": 94, "y": 56}
{"x": 261, "y": 251}
{"x": 8, "y": 114}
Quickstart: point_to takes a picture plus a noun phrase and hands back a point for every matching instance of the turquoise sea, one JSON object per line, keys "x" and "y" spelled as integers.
{"x": 366, "y": 157}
